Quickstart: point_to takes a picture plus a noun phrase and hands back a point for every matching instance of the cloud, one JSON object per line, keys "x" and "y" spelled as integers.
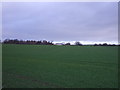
{"x": 61, "y": 21}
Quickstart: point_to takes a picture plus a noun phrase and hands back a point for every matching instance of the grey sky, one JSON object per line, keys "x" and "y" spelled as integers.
{"x": 61, "y": 21}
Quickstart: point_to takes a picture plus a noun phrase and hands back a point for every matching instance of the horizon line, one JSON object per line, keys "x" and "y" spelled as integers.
{"x": 70, "y": 41}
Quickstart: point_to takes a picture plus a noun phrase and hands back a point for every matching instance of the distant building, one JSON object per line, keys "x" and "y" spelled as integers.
{"x": 59, "y": 44}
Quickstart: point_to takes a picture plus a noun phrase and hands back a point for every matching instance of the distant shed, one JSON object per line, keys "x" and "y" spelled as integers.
{"x": 59, "y": 44}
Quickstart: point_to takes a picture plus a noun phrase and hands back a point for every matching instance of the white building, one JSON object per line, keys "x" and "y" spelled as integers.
{"x": 59, "y": 44}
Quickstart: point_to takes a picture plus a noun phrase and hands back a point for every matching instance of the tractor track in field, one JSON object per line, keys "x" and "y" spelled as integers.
{"x": 31, "y": 79}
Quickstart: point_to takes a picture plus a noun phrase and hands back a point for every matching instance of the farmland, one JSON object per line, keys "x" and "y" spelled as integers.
{"x": 49, "y": 66}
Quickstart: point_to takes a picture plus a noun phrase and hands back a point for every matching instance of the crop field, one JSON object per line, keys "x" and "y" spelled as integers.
{"x": 45, "y": 66}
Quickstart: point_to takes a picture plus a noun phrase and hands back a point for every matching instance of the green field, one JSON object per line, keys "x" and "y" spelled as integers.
{"x": 37, "y": 66}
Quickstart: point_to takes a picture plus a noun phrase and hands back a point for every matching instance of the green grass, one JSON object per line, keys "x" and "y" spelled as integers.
{"x": 37, "y": 66}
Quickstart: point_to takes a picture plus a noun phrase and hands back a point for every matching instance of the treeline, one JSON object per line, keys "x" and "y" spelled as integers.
{"x": 16, "y": 41}
{"x": 105, "y": 44}
{"x": 30, "y": 42}
{"x": 45, "y": 42}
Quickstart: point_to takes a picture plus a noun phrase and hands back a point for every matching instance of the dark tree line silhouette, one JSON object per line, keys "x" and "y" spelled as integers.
{"x": 16, "y": 41}
{"x": 105, "y": 44}
{"x": 45, "y": 42}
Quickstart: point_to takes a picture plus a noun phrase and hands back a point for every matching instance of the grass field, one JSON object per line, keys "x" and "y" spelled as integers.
{"x": 37, "y": 66}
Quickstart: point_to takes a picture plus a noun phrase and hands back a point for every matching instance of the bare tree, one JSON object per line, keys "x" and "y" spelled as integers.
{"x": 78, "y": 44}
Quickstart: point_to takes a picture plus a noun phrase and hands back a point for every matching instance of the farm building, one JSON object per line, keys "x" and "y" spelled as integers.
{"x": 59, "y": 44}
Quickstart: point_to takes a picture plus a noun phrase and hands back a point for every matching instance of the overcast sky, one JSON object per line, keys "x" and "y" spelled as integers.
{"x": 61, "y": 21}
